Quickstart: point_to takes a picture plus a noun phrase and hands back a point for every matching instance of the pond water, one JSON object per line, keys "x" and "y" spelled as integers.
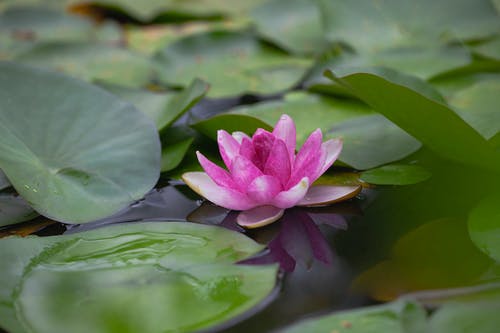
{"x": 386, "y": 242}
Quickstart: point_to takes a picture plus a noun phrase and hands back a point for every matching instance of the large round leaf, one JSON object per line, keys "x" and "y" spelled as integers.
{"x": 144, "y": 277}
{"x": 73, "y": 151}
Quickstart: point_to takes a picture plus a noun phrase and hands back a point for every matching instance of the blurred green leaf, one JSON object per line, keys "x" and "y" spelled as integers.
{"x": 14, "y": 209}
{"x": 232, "y": 62}
{"x": 396, "y": 174}
{"x": 398, "y": 317}
{"x": 292, "y": 24}
{"x": 147, "y": 277}
{"x": 73, "y": 151}
{"x": 478, "y": 105}
{"x": 411, "y": 105}
{"x": 176, "y": 142}
{"x": 93, "y": 62}
{"x": 372, "y": 25}
{"x": 230, "y": 123}
{"x": 4, "y": 182}
{"x": 484, "y": 226}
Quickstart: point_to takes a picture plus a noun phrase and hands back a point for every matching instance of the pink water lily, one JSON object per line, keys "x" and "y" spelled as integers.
{"x": 265, "y": 174}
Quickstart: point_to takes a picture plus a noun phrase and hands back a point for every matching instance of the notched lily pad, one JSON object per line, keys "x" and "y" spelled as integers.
{"x": 148, "y": 277}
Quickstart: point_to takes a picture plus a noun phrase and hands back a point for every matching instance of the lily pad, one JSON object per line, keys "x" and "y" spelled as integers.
{"x": 4, "y": 182}
{"x": 230, "y": 123}
{"x": 370, "y": 25}
{"x": 293, "y": 25}
{"x": 82, "y": 155}
{"x": 92, "y": 61}
{"x": 14, "y": 209}
{"x": 460, "y": 317}
{"x": 396, "y": 174}
{"x": 232, "y": 62}
{"x": 484, "y": 226}
{"x": 162, "y": 107}
{"x": 478, "y": 106}
{"x": 148, "y": 277}
{"x": 398, "y": 317}
{"x": 422, "y": 114}
{"x": 176, "y": 142}
{"x": 21, "y": 27}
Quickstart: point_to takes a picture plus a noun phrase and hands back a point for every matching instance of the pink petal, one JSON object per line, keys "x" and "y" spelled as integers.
{"x": 321, "y": 195}
{"x": 285, "y": 130}
{"x": 219, "y": 176}
{"x": 244, "y": 172}
{"x": 262, "y": 142}
{"x": 228, "y": 198}
{"x": 228, "y": 147}
{"x": 263, "y": 189}
{"x": 259, "y": 216}
{"x": 238, "y": 136}
{"x": 278, "y": 162}
{"x": 247, "y": 150}
{"x": 309, "y": 160}
{"x": 331, "y": 149}
{"x": 289, "y": 198}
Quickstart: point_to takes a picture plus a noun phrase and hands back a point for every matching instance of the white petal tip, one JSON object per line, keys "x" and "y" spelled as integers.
{"x": 259, "y": 216}
{"x": 323, "y": 195}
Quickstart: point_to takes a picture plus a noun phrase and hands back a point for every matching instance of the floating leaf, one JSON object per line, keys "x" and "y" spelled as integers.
{"x": 14, "y": 209}
{"x": 176, "y": 142}
{"x": 90, "y": 61}
{"x": 398, "y": 317}
{"x": 484, "y": 226}
{"x": 232, "y": 62}
{"x": 4, "y": 182}
{"x": 162, "y": 108}
{"x": 148, "y": 277}
{"x": 478, "y": 106}
{"x": 322, "y": 112}
{"x": 461, "y": 317}
{"x": 82, "y": 155}
{"x": 293, "y": 25}
{"x": 230, "y": 123}
{"x": 421, "y": 114}
{"x": 374, "y": 25}
{"x": 396, "y": 174}
{"x": 372, "y": 140}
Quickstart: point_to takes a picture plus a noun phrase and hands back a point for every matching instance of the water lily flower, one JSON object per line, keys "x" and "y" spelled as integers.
{"x": 265, "y": 175}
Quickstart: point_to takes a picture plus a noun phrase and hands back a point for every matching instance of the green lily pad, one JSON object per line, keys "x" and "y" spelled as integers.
{"x": 4, "y": 182}
{"x": 489, "y": 49}
{"x": 396, "y": 174}
{"x": 397, "y": 317}
{"x": 147, "y": 277}
{"x": 478, "y": 106}
{"x": 461, "y": 317}
{"x": 176, "y": 142}
{"x": 371, "y": 25}
{"x": 370, "y": 140}
{"x": 163, "y": 108}
{"x": 14, "y": 209}
{"x": 422, "y": 114}
{"x": 322, "y": 112}
{"x": 91, "y": 61}
{"x": 82, "y": 155}
{"x": 484, "y": 226}
{"x": 232, "y": 62}
{"x": 293, "y": 25}
{"x": 230, "y": 123}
